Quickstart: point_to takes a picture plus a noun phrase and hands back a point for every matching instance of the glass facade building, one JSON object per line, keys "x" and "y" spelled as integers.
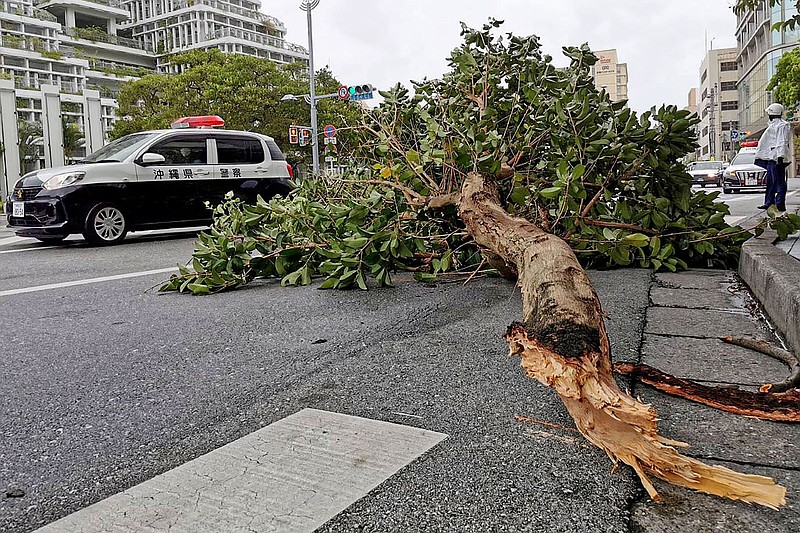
{"x": 760, "y": 49}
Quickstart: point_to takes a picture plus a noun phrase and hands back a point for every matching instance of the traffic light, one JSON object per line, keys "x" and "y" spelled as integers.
{"x": 360, "y": 92}
{"x": 294, "y": 134}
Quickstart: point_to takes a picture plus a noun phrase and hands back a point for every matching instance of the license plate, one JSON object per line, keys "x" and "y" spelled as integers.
{"x": 18, "y": 209}
{"x": 750, "y": 181}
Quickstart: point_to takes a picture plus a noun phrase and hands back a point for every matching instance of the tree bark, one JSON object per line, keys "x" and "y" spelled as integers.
{"x": 778, "y": 407}
{"x": 563, "y": 343}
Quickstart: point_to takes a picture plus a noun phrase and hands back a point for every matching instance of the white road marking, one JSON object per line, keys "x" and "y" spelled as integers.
{"x": 17, "y": 250}
{"x": 731, "y": 220}
{"x": 291, "y": 476}
{"x": 89, "y": 281}
{"x": 13, "y": 240}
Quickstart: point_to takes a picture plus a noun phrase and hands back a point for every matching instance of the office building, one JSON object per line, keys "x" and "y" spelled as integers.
{"x": 718, "y": 105}
{"x": 611, "y": 75}
{"x": 760, "y": 48}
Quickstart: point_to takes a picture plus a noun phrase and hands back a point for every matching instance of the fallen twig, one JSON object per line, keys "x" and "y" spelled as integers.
{"x": 791, "y": 360}
{"x": 783, "y": 407}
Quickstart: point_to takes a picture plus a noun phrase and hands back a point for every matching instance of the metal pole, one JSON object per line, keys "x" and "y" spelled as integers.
{"x": 312, "y": 91}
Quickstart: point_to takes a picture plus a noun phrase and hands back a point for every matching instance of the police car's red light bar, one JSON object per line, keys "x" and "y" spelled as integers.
{"x": 749, "y": 144}
{"x": 205, "y": 121}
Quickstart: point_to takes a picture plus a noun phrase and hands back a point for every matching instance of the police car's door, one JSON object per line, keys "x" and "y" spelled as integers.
{"x": 242, "y": 166}
{"x": 169, "y": 190}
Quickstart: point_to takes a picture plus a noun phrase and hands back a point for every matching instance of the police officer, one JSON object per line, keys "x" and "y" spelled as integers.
{"x": 773, "y": 155}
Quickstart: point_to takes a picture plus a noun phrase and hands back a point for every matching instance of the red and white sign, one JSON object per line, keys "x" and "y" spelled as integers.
{"x": 344, "y": 92}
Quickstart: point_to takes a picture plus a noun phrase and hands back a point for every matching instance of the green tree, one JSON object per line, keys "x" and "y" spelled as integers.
{"x": 72, "y": 137}
{"x": 510, "y": 161}
{"x": 245, "y": 91}
{"x": 30, "y": 138}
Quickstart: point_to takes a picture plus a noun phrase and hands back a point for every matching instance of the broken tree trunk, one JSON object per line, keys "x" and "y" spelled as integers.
{"x": 563, "y": 344}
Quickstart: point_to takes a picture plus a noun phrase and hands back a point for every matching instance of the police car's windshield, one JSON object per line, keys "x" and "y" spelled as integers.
{"x": 121, "y": 148}
{"x": 744, "y": 159}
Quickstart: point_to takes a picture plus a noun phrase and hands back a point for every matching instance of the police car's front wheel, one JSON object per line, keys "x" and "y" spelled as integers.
{"x": 105, "y": 225}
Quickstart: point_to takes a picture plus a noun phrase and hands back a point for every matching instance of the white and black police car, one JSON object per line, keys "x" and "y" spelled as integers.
{"x": 148, "y": 180}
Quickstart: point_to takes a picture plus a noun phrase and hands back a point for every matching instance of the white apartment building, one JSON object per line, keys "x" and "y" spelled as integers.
{"x": 611, "y": 75}
{"x": 82, "y": 51}
{"x": 718, "y": 105}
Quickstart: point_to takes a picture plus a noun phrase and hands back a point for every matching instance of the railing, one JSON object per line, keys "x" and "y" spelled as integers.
{"x": 28, "y": 11}
{"x": 110, "y": 3}
{"x": 118, "y": 69}
{"x": 102, "y": 37}
{"x": 257, "y": 38}
{"x": 228, "y": 8}
{"x": 105, "y": 91}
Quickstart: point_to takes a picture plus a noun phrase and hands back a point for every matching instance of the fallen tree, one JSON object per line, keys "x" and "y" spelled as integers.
{"x": 509, "y": 161}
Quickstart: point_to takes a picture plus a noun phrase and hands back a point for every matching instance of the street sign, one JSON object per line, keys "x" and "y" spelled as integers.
{"x": 344, "y": 92}
{"x": 329, "y": 130}
{"x": 330, "y": 158}
{"x": 329, "y": 140}
{"x": 734, "y": 135}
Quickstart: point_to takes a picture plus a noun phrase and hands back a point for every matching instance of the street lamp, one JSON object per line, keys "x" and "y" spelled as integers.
{"x": 308, "y": 6}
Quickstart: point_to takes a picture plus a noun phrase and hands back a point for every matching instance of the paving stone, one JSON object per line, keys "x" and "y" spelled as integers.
{"x": 703, "y": 323}
{"x": 696, "y": 279}
{"x": 725, "y": 436}
{"x": 685, "y": 510}
{"x": 696, "y": 298}
{"x": 711, "y": 360}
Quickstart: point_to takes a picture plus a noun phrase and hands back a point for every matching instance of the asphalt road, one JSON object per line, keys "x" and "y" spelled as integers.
{"x": 745, "y": 204}
{"x": 106, "y": 383}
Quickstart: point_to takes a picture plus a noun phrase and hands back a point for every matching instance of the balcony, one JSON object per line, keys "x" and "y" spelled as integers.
{"x": 97, "y": 35}
{"x": 28, "y": 11}
{"x": 118, "y": 69}
{"x": 252, "y": 37}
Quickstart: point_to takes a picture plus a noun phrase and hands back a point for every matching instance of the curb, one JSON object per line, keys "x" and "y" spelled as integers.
{"x": 774, "y": 278}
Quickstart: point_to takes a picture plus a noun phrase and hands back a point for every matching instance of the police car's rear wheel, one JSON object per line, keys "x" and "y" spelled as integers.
{"x": 106, "y": 224}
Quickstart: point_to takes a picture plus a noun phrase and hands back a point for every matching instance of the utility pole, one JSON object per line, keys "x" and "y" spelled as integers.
{"x": 307, "y": 6}
{"x": 712, "y": 124}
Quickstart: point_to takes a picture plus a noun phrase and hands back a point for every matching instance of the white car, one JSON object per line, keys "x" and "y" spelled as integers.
{"x": 147, "y": 180}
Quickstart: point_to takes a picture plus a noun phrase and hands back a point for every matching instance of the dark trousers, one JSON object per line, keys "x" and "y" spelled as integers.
{"x": 776, "y": 184}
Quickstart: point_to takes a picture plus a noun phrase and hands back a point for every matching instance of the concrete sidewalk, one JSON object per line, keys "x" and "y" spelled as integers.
{"x": 689, "y": 311}
{"x": 771, "y": 269}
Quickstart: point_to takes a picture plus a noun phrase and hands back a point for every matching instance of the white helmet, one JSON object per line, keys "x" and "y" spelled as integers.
{"x": 775, "y": 110}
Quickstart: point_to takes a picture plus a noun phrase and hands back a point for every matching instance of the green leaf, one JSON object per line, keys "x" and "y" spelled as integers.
{"x": 636, "y": 239}
{"x": 550, "y": 192}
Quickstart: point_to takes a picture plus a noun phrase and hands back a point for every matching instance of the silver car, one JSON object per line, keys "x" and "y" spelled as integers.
{"x": 743, "y": 173}
{"x": 706, "y": 173}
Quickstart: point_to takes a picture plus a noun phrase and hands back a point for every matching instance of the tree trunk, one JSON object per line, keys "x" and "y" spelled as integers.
{"x": 563, "y": 344}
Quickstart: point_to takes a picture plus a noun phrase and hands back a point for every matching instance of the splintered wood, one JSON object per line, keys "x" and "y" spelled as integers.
{"x": 563, "y": 344}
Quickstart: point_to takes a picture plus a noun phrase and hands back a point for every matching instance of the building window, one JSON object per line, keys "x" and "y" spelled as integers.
{"x": 704, "y": 95}
{"x": 703, "y": 76}
{"x": 730, "y": 106}
{"x": 727, "y": 86}
{"x": 705, "y": 131}
{"x": 732, "y": 125}
{"x": 728, "y": 66}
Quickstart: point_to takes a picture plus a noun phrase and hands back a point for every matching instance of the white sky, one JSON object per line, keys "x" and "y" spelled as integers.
{"x": 388, "y": 41}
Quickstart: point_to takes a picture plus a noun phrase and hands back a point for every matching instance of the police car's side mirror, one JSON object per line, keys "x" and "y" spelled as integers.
{"x": 151, "y": 159}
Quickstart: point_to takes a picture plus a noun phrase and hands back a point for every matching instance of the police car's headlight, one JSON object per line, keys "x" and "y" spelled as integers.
{"x": 63, "y": 180}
